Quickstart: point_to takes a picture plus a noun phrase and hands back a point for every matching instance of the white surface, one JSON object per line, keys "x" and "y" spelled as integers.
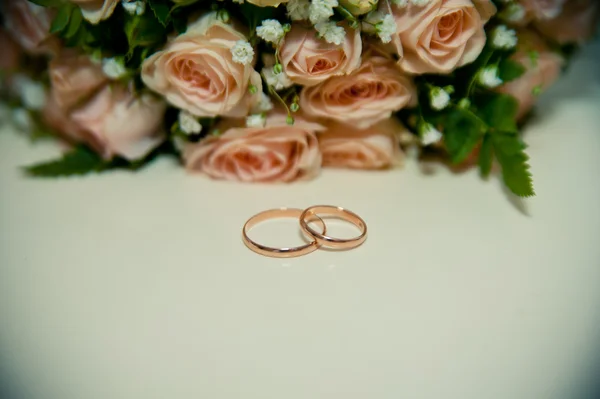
{"x": 138, "y": 285}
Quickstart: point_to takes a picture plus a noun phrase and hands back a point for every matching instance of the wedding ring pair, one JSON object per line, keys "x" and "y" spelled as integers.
{"x": 305, "y": 217}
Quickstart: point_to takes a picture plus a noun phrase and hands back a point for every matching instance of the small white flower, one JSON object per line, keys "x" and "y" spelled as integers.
{"x": 264, "y": 104}
{"x": 179, "y": 143}
{"x": 22, "y": 119}
{"x": 439, "y": 98}
{"x": 331, "y": 32}
{"x": 420, "y": 3}
{"x": 429, "y": 134}
{"x": 188, "y": 123}
{"x": 242, "y": 52}
{"x": 134, "y": 7}
{"x": 277, "y": 81}
{"x": 298, "y": 9}
{"x": 270, "y": 30}
{"x": 386, "y": 28}
{"x": 400, "y": 3}
{"x": 257, "y": 120}
{"x": 113, "y": 68}
{"x": 514, "y": 12}
{"x": 32, "y": 94}
{"x": 488, "y": 77}
{"x": 321, "y": 10}
{"x": 504, "y": 38}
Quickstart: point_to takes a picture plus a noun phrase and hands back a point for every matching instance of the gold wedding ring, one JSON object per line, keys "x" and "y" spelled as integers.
{"x": 339, "y": 213}
{"x": 305, "y": 217}
{"x": 280, "y": 252}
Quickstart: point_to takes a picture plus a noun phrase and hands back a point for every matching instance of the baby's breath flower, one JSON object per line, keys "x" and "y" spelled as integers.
{"x": 298, "y": 9}
{"x": 438, "y": 98}
{"x": 188, "y": 123}
{"x": 277, "y": 81}
{"x": 264, "y": 104}
{"x": 256, "y": 120}
{"x": 504, "y": 38}
{"x": 134, "y": 7}
{"x": 386, "y": 28}
{"x": 514, "y": 13}
{"x": 242, "y": 52}
{"x": 429, "y": 134}
{"x": 331, "y": 32}
{"x": 488, "y": 77}
{"x": 113, "y": 68}
{"x": 270, "y": 30}
{"x": 321, "y": 10}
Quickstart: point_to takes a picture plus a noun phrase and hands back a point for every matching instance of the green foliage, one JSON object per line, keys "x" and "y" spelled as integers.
{"x": 144, "y": 31}
{"x": 80, "y": 161}
{"x": 499, "y": 111}
{"x": 161, "y": 11}
{"x": 510, "y": 70}
{"x": 486, "y": 156}
{"x": 62, "y": 18}
{"x": 510, "y": 152}
{"x": 463, "y": 130}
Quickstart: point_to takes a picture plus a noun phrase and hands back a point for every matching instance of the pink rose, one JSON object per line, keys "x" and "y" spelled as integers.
{"x": 364, "y": 97}
{"x": 575, "y": 24}
{"x": 124, "y": 123}
{"x": 96, "y": 10}
{"x": 441, "y": 35}
{"x": 11, "y": 53}
{"x": 376, "y": 147}
{"x": 308, "y": 60}
{"x": 541, "y": 71}
{"x": 543, "y": 9}
{"x": 274, "y": 153}
{"x": 29, "y": 25}
{"x": 114, "y": 122}
{"x": 74, "y": 78}
{"x": 196, "y": 71}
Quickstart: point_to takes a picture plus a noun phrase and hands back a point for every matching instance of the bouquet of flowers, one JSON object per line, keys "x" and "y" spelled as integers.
{"x": 274, "y": 90}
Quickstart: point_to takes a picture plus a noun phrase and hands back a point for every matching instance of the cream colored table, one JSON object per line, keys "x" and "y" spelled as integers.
{"x": 127, "y": 286}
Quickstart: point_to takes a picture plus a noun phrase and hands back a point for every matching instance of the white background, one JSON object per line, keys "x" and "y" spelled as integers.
{"x": 138, "y": 285}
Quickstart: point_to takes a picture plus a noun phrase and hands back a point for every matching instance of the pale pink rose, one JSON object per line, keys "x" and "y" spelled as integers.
{"x": 543, "y": 9}
{"x": 308, "y": 60}
{"x": 96, "y": 10}
{"x": 29, "y": 25}
{"x": 274, "y": 153}
{"x": 541, "y": 71}
{"x": 575, "y": 24}
{"x": 376, "y": 147}
{"x": 441, "y": 35}
{"x": 196, "y": 72}
{"x": 117, "y": 122}
{"x": 74, "y": 78}
{"x": 11, "y": 53}
{"x": 58, "y": 119}
{"x": 364, "y": 97}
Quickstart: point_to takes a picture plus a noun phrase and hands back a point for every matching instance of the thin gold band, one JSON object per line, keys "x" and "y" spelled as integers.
{"x": 280, "y": 252}
{"x": 337, "y": 212}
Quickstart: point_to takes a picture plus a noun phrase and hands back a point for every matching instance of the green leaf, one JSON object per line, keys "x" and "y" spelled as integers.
{"x": 462, "y": 132}
{"x": 161, "y": 10}
{"x": 486, "y": 156}
{"x": 60, "y": 22}
{"x": 74, "y": 24}
{"x": 499, "y": 111}
{"x": 143, "y": 31}
{"x": 81, "y": 160}
{"x": 47, "y": 3}
{"x": 510, "y": 152}
{"x": 510, "y": 70}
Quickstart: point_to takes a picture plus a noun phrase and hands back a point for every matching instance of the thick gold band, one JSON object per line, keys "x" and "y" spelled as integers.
{"x": 337, "y": 212}
{"x": 281, "y": 252}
